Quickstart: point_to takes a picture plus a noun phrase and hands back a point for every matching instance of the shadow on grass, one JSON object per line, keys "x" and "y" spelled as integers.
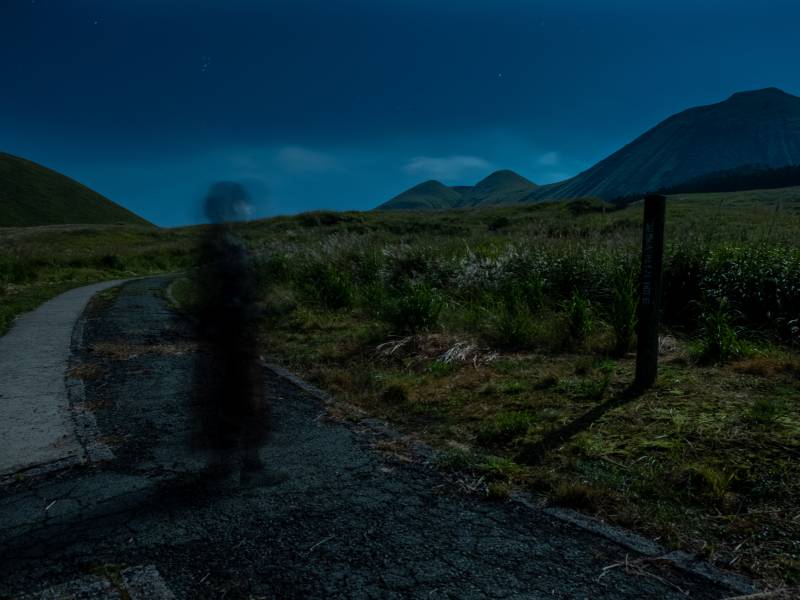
{"x": 533, "y": 453}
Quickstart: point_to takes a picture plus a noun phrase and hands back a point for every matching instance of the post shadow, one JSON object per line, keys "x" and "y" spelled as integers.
{"x": 647, "y": 335}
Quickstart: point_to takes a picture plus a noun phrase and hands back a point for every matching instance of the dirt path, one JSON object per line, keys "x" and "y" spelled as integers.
{"x": 351, "y": 522}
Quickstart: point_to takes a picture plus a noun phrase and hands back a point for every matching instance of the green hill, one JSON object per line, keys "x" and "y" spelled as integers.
{"x": 501, "y": 187}
{"x": 429, "y": 194}
{"x": 31, "y": 194}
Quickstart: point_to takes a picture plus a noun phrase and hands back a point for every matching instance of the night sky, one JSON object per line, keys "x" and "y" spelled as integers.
{"x": 342, "y": 104}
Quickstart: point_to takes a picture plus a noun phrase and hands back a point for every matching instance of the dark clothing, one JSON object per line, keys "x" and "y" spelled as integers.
{"x": 232, "y": 409}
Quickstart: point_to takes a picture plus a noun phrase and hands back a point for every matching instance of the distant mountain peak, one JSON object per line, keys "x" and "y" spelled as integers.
{"x": 755, "y": 127}
{"x": 430, "y": 194}
{"x": 505, "y": 175}
{"x": 768, "y": 92}
{"x": 501, "y": 187}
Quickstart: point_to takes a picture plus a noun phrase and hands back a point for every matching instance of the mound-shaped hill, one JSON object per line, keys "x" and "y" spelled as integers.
{"x": 428, "y": 195}
{"x": 501, "y": 187}
{"x": 31, "y": 194}
{"x": 760, "y": 127}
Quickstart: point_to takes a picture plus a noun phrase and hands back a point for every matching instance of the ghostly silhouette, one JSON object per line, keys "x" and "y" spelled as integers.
{"x": 229, "y": 384}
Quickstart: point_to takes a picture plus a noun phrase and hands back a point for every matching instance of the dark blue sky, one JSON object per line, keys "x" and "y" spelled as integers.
{"x": 345, "y": 103}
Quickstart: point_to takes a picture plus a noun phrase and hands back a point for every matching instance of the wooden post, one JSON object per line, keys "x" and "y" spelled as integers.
{"x": 650, "y": 290}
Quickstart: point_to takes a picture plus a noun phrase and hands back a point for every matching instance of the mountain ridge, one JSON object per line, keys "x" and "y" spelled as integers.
{"x": 753, "y": 127}
{"x": 498, "y": 187}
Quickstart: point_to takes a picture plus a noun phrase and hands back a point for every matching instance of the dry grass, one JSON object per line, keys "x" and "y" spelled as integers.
{"x": 686, "y": 462}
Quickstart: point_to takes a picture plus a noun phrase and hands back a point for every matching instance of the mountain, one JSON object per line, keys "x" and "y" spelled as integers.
{"x": 750, "y": 131}
{"x": 501, "y": 187}
{"x": 760, "y": 127}
{"x": 31, "y": 194}
{"x": 739, "y": 179}
{"x": 429, "y": 194}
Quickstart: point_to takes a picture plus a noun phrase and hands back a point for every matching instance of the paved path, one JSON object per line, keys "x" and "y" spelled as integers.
{"x": 37, "y": 428}
{"x": 351, "y": 522}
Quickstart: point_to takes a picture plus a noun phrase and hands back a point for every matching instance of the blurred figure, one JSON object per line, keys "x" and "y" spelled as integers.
{"x": 230, "y": 398}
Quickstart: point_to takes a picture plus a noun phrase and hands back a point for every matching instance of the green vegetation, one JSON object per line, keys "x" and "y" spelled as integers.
{"x": 484, "y": 331}
{"x": 37, "y": 263}
{"x": 488, "y": 330}
{"x": 31, "y": 194}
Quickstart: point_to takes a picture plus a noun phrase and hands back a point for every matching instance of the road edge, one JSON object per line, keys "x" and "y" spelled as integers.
{"x": 678, "y": 559}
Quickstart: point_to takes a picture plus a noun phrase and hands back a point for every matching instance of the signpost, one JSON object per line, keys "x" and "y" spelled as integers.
{"x": 650, "y": 290}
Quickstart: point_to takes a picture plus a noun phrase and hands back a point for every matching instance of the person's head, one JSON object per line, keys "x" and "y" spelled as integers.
{"x": 227, "y": 201}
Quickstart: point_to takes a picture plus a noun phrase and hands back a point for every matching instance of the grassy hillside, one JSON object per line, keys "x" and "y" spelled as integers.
{"x": 428, "y": 195}
{"x": 31, "y": 194}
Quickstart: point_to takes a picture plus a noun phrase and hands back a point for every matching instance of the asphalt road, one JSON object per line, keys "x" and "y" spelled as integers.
{"x": 351, "y": 521}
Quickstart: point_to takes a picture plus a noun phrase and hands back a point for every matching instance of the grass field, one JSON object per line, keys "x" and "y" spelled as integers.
{"x": 37, "y": 263}
{"x": 502, "y": 336}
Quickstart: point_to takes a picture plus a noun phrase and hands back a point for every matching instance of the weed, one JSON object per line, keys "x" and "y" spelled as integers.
{"x": 498, "y": 491}
{"x": 719, "y": 339}
{"x": 709, "y": 480}
{"x": 499, "y": 468}
{"x": 457, "y": 459}
{"x": 505, "y": 428}
{"x": 579, "y": 317}
{"x": 576, "y": 495}
{"x": 766, "y": 410}
{"x": 622, "y": 310}
{"x": 441, "y": 368}
{"x": 327, "y": 285}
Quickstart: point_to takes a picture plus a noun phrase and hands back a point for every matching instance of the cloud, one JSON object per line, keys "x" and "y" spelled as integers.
{"x": 549, "y": 159}
{"x": 302, "y": 160}
{"x": 445, "y": 167}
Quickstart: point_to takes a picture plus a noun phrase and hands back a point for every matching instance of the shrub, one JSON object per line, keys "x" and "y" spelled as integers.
{"x": 764, "y": 282}
{"x": 328, "y": 285}
{"x": 395, "y": 394}
{"x": 415, "y": 307}
{"x": 584, "y": 206}
{"x": 499, "y": 222}
{"x": 16, "y": 270}
{"x": 512, "y": 326}
{"x": 111, "y": 262}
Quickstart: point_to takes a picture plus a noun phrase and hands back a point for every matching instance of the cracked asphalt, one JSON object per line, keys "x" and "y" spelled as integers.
{"x": 351, "y": 522}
